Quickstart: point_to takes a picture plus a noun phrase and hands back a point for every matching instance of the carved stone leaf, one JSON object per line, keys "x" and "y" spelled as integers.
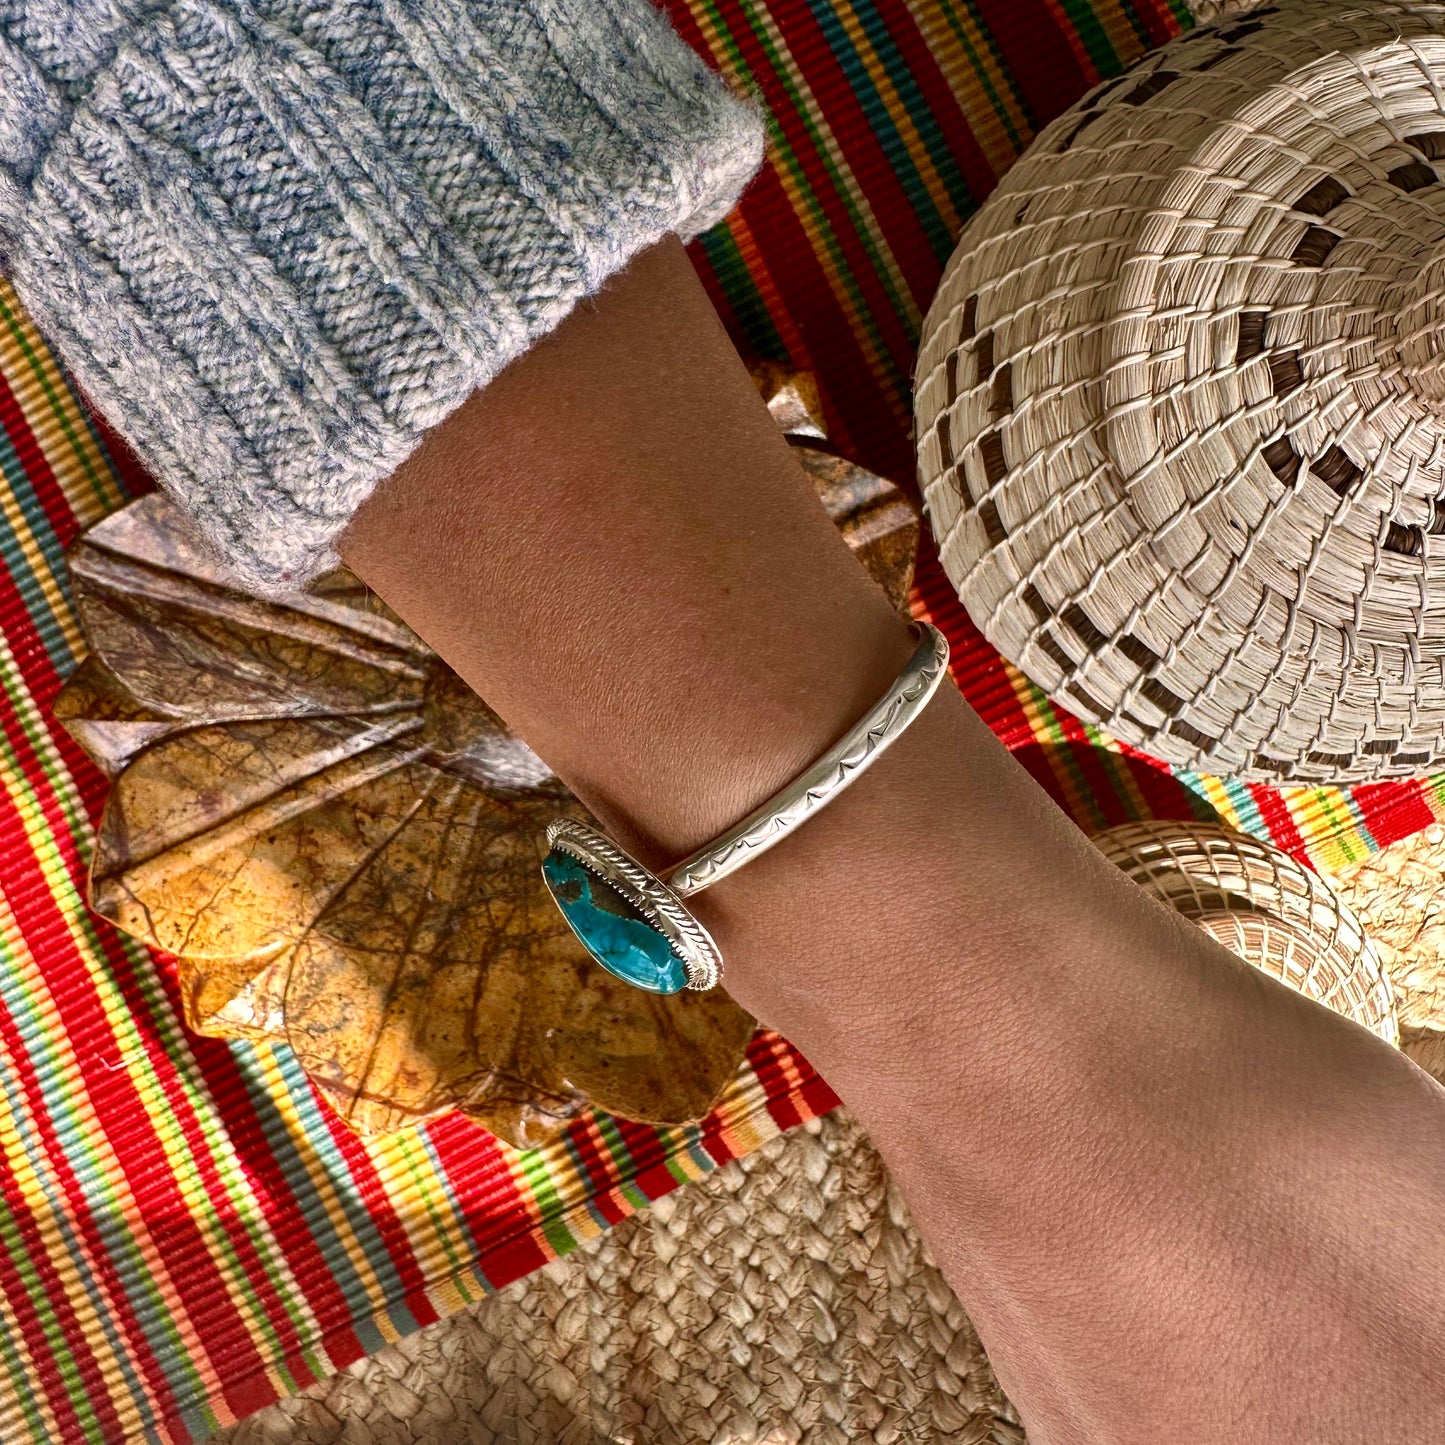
{"x": 341, "y": 844}
{"x": 877, "y": 520}
{"x": 872, "y": 514}
{"x": 225, "y": 842}
{"x": 184, "y": 644}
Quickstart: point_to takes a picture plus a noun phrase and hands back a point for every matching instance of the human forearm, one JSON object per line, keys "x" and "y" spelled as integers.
{"x": 1099, "y": 1118}
{"x": 633, "y": 570}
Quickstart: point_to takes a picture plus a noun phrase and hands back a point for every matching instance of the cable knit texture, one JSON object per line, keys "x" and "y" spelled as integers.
{"x": 277, "y": 240}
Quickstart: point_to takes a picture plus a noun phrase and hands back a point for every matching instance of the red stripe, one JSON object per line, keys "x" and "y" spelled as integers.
{"x": 121, "y": 1116}
{"x": 48, "y": 937}
{"x": 283, "y": 1213}
{"x": 118, "y": 1104}
{"x": 37, "y": 917}
{"x": 367, "y": 1182}
{"x": 46, "y": 1370}
{"x": 1393, "y": 810}
{"x": 1277, "y": 820}
{"x": 819, "y": 1096}
{"x": 512, "y": 1259}
{"x": 777, "y": 1064}
{"x": 1046, "y": 72}
{"x": 767, "y": 207}
{"x": 872, "y": 168}
{"x": 36, "y": 465}
{"x": 943, "y": 104}
{"x": 597, "y": 1166}
{"x": 123, "y": 461}
{"x": 1158, "y": 19}
{"x": 487, "y": 1199}
{"x": 721, "y": 303}
{"x": 783, "y": 240}
{"x": 281, "y": 1210}
{"x": 1164, "y": 794}
{"x": 845, "y": 373}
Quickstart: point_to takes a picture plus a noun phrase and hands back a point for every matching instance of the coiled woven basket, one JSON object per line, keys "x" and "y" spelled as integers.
{"x": 1263, "y": 905}
{"x": 1180, "y": 398}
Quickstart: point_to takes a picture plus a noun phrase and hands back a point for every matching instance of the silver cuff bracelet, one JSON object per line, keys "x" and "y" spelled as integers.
{"x": 635, "y": 924}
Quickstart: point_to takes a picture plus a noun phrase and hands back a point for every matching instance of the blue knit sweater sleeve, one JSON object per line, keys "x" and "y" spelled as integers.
{"x": 276, "y": 240}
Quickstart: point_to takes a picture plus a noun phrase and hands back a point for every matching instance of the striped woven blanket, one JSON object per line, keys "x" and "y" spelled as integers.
{"x": 185, "y": 1232}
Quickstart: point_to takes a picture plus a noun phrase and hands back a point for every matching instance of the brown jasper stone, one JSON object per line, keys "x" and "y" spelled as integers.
{"x": 875, "y": 516}
{"x": 342, "y": 846}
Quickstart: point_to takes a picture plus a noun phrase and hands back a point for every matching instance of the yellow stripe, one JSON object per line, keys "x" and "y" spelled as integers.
{"x": 963, "y": 74}
{"x": 814, "y": 226}
{"x": 898, "y": 113}
{"x": 1074, "y": 41}
{"x": 9, "y": 1141}
{"x": 1084, "y": 810}
{"x": 84, "y": 476}
{"x": 327, "y": 1191}
{"x": 1326, "y": 823}
{"x": 421, "y": 1196}
{"x": 68, "y": 456}
{"x": 92, "y": 491}
{"x": 78, "y": 1105}
{"x": 159, "y": 1110}
{"x": 64, "y": 616}
{"x": 1116, "y": 25}
{"x": 1121, "y": 774}
{"x": 1218, "y": 798}
{"x": 746, "y": 1122}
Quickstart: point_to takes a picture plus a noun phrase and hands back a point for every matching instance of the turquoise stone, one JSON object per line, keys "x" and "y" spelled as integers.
{"x": 611, "y": 929}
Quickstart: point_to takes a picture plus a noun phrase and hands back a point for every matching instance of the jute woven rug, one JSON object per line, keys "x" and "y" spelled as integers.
{"x": 1399, "y": 896}
{"x": 808, "y": 1310}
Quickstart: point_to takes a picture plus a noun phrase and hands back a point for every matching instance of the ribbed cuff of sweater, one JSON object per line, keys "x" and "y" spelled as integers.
{"x": 276, "y": 241}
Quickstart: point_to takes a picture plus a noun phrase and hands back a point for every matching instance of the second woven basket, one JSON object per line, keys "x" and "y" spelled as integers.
{"x": 1180, "y": 399}
{"x": 1264, "y": 906}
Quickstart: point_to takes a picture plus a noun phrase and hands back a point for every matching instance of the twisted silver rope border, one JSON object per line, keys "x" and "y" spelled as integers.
{"x": 647, "y": 893}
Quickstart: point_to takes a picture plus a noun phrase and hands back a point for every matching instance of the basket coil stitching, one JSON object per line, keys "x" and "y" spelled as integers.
{"x": 1180, "y": 397}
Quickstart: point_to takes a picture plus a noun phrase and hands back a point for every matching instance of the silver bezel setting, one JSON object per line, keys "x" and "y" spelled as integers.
{"x": 647, "y": 893}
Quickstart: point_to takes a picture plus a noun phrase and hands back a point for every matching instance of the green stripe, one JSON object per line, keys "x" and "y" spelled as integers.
{"x": 572, "y": 1151}
{"x": 626, "y": 1184}
{"x": 743, "y": 295}
{"x": 50, "y": 1327}
{"x": 1241, "y": 800}
{"x": 1344, "y": 814}
{"x": 924, "y": 118}
{"x": 533, "y": 1163}
{"x": 28, "y": 581}
{"x": 26, "y": 1385}
{"x": 25, "y": 798}
{"x": 100, "y": 1199}
{"x": 443, "y": 1227}
{"x": 822, "y": 229}
{"x": 66, "y": 409}
{"x": 120, "y": 1017}
{"x": 1084, "y": 19}
{"x": 290, "y": 1156}
{"x": 881, "y": 119}
{"x": 982, "y": 73}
